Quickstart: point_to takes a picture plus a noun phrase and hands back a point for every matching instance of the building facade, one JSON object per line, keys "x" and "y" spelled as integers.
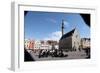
{"x": 37, "y": 45}
{"x": 45, "y": 45}
{"x": 29, "y": 44}
{"x": 40, "y": 44}
{"x": 26, "y": 44}
{"x": 70, "y": 41}
{"x": 85, "y": 43}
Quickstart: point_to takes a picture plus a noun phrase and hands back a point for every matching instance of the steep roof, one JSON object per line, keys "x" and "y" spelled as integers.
{"x": 70, "y": 33}
{"x": 85, "y": 38}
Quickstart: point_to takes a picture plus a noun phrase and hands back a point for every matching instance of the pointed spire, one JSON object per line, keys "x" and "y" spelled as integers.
{"x": 62, "y": 28}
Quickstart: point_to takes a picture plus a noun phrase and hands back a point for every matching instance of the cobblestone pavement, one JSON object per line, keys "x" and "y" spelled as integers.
{"x": 71, "y": 55}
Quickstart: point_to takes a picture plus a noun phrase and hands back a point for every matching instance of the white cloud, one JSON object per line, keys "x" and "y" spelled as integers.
{"x": 54, "y": 36}
{"x": 57, "y": 34}
{"x": 66, "y": 23}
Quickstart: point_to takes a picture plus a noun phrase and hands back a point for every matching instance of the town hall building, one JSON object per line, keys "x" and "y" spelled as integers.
{"x": 69, "y": 41}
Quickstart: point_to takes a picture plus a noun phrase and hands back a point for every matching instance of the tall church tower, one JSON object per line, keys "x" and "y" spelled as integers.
{"x": 62, "y": 27}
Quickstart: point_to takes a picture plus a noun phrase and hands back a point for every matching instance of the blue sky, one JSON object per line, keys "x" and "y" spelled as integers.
{"x": 47, "y": 25}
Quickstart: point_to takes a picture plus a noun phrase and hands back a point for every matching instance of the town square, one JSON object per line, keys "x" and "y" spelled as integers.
{"x": 56, "y": 36}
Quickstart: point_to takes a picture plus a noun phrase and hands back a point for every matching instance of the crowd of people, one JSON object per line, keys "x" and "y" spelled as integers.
{"x": 52, "y": 53}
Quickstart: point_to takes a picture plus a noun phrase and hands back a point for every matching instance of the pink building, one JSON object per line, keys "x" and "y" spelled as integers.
{"x": 29, "y": 44}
